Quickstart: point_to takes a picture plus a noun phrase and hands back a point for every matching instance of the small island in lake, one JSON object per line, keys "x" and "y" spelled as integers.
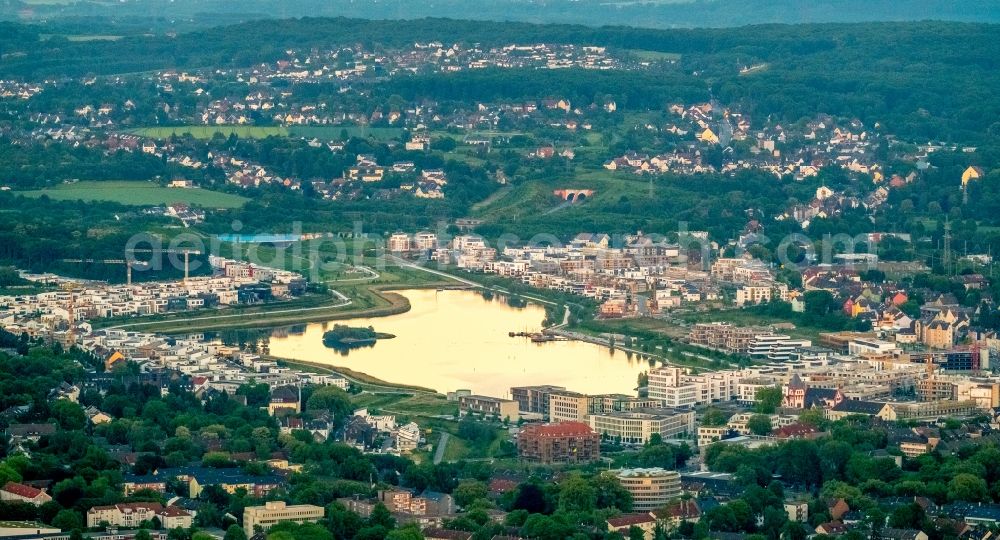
{"x": 347, "y": 337}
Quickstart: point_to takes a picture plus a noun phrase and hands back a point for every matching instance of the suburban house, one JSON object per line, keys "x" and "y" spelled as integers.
{"x": 622, "y": 524}
{"x": 12, "y": 491}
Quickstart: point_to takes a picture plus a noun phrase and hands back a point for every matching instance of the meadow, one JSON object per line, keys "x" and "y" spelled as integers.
{"x": 207, "y": 132}
{"x": 262, "y": 132}
{"x": 138, "y": 194}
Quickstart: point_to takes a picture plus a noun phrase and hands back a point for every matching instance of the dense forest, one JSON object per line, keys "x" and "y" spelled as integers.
{"x": 37, "y": 234}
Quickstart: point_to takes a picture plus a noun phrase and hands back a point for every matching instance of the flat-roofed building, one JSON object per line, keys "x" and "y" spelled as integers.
{"x": 563, "y": 442}
{"x": 262, "y": 518}
{"x": 651, "y": 488}
{"x": 399, "y": 243}
{"x": 534, "y": 399}
{"x": 568, "y": 406}
{"x": 489, "y": 406}
{"x": 636, "y": 427}
{"x": 675, "y": 388}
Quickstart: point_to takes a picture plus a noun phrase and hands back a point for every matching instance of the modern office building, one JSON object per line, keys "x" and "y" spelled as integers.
{"x": 651, "y": 488}
{"x": 262, "y": 518}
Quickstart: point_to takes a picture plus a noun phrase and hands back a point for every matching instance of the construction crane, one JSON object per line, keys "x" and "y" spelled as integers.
{"x": 72, "y": 287}
{"x": 128, "y": 265}
{"x": 928, "y": 384}
{"x": 187, "y": 255}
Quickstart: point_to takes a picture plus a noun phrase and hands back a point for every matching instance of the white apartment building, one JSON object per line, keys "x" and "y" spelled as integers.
{"x": 775, "y": 347}
{"x": 677, "y": 389}
{"x": 870, "y": 346}
{"x": 753, "y": 294}
{"x": 399, "y": 243}
{"x": 132, "y": 515}
{"x": 424, "y": 241}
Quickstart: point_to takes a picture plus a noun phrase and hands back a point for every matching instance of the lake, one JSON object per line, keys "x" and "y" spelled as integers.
{"x": 454, "y": 339}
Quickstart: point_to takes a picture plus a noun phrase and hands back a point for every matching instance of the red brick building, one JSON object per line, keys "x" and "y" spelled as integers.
{"x": 563, "y": 442}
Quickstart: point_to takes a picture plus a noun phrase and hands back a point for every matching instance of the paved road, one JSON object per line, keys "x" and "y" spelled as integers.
{"x": 406, "y": 264}
{"x": 442, "y": 444}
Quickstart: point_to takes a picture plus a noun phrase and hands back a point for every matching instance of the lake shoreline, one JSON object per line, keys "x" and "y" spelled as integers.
{"x": 458, "y": 340}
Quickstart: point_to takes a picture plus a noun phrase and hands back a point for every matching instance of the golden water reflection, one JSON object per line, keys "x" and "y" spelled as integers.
{"x": 455, "y": 339}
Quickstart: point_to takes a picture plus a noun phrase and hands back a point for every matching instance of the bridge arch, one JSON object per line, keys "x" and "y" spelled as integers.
{"x": 573, "y": 195}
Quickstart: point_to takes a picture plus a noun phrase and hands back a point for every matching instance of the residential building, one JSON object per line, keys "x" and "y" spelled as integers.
{"x": 646, "y": 522}
{"x": 724, "y": 336}
{"x": 261, "y": 518}
{"x": 127, "y": 515}
{"x": 563, "y": 442}
{"x": 797, "y": 511}
{"x": 229, "y": 480}
{"x": 903, "y": 534}
{"x": 674, "y": 388}
{"x": 399, "y": 243}
{"x": 284, "y": 400}
{"x": 407, "y": 437}
{"x": 849, "y": 407}
{"x": 489, "y": 407}
{"x": 174, "y": 517}
{"x": 679, "y": 511}
{"x": 12, "y": 491}
{"x": 775, "y": 347}
{"x": 133, "y": 483}
{"x": 753, "y": 294}
{"x": 437, "y": 533}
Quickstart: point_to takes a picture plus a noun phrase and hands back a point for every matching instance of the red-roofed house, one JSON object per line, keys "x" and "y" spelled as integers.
{"x": 19, "y": 492}
{"x": 796, "y": 431}
{"x": 837, "y": 508}
{"x": 678, "y": 512}
{"x": 436, "y": 533}
{"x": 562, "y": 442}
{"x": 831, "y": 528}
{"x": 646, "y": 522}
{"x": 499, "y": 486}
{"x": 173, "y": 517}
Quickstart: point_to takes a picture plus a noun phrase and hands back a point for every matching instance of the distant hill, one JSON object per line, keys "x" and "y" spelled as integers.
{"x": 185, "y": 14}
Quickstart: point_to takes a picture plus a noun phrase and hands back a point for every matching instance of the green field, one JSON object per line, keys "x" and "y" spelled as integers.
{"x": 207, "y": 132}
{"x": 93, "y": 37}
{"x": 261, "y": 132}
{"x": 139, "y": 194}
{"x": 654, "y": 56}
{"x": 536, "y": 198}
{"x": 337, "y": 132}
